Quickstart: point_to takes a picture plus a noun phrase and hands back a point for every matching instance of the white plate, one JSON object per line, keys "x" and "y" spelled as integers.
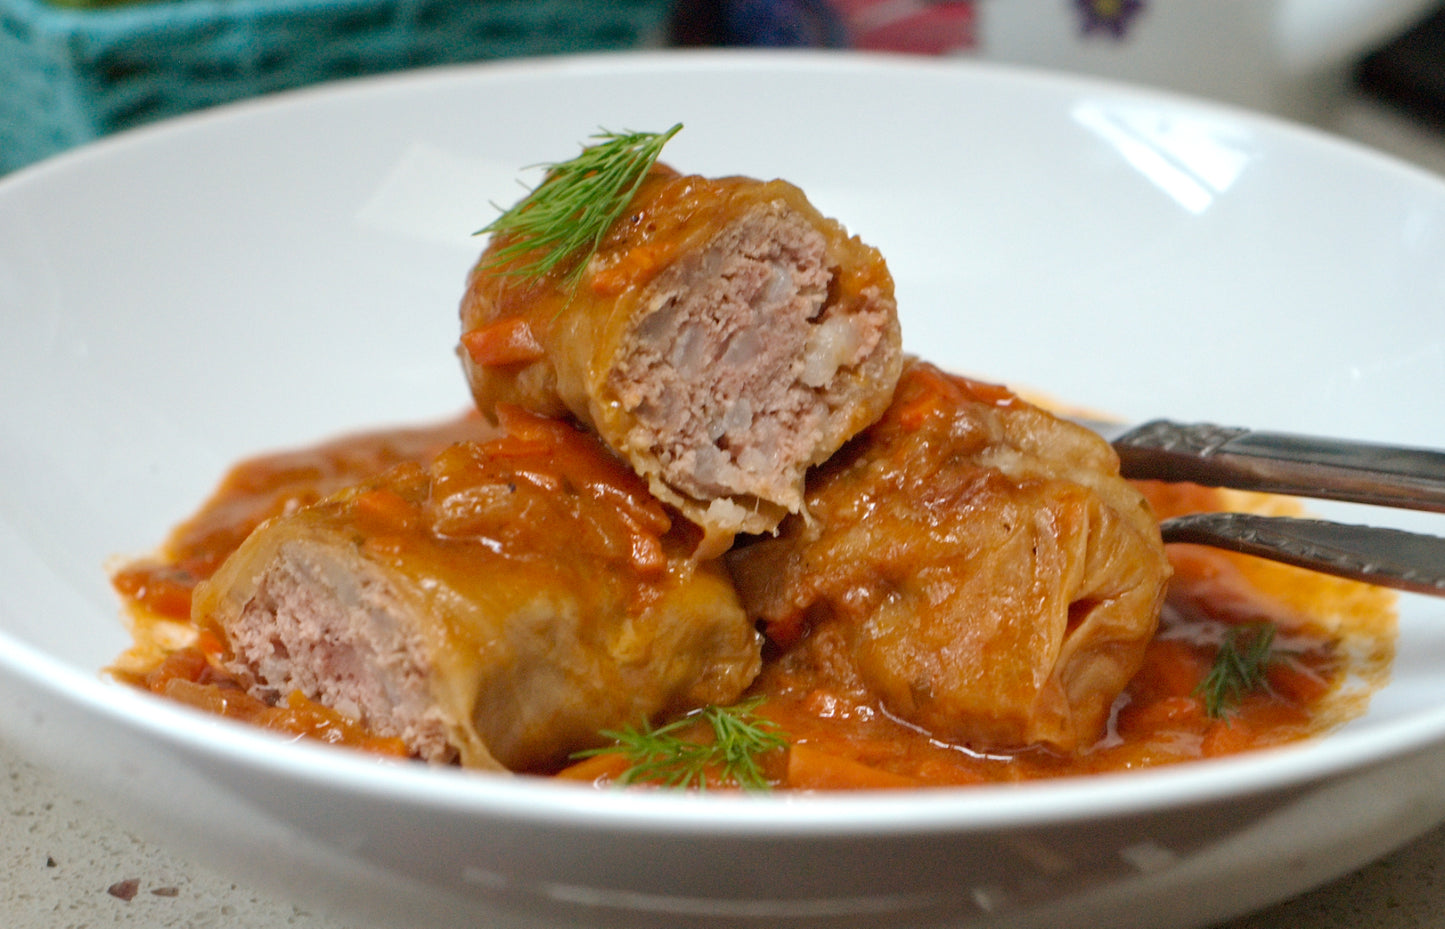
{"x": 283, "y": 270}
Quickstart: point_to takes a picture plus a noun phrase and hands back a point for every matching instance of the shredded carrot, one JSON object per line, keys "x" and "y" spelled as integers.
{"x": 1176, "y": 713}
{"x": 1174, "y": 669}
{"x": 526, "y": 433}
{"x": 635, "y": 266}
{"x": 812, "y": 769}
{"x": 209, "y": 643}
{"x": 504, "y": 342}
{"x": 187, "y": 676}
{"x": 985, "y": 392}
{"x": 913, "y": 411}
{"x": 304, "y": 716}
{"x": 1228, "y": 736}
{"x": 597, "y": 769}
{"x": 384, "y": 509}
{"x": 188, "y": 664}
{"x": 161, "y": 588}
{"x": 1296, "y": 682}
{"x": 931, "y": 392}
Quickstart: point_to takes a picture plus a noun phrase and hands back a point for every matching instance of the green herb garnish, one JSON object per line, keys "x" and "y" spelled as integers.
{"x": 663, "y": 756}
{"x": 1239, "y": 667}
{"x": 564, "y": 218}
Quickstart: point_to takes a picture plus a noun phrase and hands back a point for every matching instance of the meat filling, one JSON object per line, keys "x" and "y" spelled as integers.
{"x": 336, "y": 632}
{"x": 500, "y": 606}
{"x": 724, "y": 338}
{"x": 973, "y": 566}
{"x": 726, "y": 376}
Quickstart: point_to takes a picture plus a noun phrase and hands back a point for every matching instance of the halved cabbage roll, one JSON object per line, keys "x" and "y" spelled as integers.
{"x": 497, "y": 607}
{"x": 973, "y": 563}
{"x": 724, "y": 338}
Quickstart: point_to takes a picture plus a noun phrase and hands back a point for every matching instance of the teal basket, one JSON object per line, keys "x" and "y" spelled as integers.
{"x": 71, "y": 74}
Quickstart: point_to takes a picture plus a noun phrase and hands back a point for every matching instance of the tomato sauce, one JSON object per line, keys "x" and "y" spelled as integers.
{"x": 1332, "y": 645}
{"x": 1161, "y": 718}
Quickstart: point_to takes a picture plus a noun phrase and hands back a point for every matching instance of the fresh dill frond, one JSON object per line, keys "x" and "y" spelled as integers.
{"x": 1239, "y": 667}
{"x": 563, "y": 220}
{"x": 664, "y": 756}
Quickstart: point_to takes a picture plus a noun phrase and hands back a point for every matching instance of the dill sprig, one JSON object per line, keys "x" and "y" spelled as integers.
{"x": 1239, "y": 667}
{"x": 564, "y": 218}
{"x": 662, "y": 756}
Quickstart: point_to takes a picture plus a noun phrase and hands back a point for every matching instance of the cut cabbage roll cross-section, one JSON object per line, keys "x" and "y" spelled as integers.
{"x": 498, "y": 606}
{"x": 974, "y": 566}
{"x": 724, "y": 338}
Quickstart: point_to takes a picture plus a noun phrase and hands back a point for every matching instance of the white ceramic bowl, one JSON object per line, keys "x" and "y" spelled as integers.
{"x": 280, "y": 271}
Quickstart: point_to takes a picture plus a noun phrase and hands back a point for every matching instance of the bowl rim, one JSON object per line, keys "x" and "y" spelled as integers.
{"x": 770, "y": 815}
{"x": 933, "y": 810}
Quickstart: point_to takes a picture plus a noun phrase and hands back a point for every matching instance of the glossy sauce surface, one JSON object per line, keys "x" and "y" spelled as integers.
{"x": 1333, "y": 646}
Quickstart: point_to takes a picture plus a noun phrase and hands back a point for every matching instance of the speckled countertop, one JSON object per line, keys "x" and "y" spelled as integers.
{"x": 68, "y": 865}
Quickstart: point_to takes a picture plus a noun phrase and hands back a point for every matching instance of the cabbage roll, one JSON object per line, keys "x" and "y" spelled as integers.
{"x": 498, "y": 606}
{"x": 973, "y": 564}
{"x": 724, "y": 338}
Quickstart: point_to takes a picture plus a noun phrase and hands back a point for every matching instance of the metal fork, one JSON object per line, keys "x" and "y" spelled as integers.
{"x": 1305, "y": 466}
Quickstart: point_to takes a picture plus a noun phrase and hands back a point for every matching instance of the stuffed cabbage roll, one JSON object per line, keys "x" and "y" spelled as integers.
{"x": 973, "y": 564}
{"x": 498, "y": 606}
{"x": 724, "y": 338}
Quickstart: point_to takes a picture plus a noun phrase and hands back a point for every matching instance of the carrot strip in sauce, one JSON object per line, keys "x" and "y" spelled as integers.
{"x": 838, "y": 740}
{"x": 504, "y": 342}
{"x": 635, "y": 266}
{"x": 1297, "y": 682}
{"x": 811, "y": 769}
{"x": 1227, "y": 737}
{"x": 1167, "y": 713}
{"x": 601, "y": 768}
{"x": 163, "y": 589}
{"x": 1172, "y": 669}
{"x": 187, "y": 676}
{"x": 381, "y": 509}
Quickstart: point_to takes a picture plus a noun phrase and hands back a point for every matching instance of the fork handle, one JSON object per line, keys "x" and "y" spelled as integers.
{"x": 1272, "y": 462}
{"x": 1387, "y": 557}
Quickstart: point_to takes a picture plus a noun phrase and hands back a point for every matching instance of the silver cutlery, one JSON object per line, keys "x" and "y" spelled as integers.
{"x": 1305, "y": 466}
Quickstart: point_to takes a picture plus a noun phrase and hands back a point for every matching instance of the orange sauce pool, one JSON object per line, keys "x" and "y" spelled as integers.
{"x": 1332, "y": 647}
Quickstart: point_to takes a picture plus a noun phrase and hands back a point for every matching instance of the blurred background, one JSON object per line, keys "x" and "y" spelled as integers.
{"x": 74, "y": 70}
